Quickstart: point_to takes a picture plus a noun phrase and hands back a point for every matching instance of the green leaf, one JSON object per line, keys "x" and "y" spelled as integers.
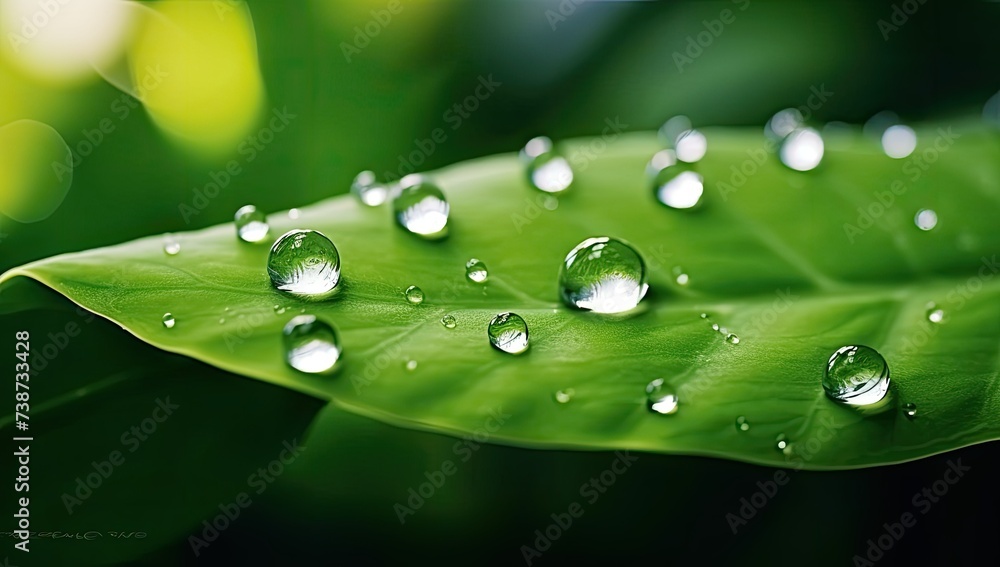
{"x": 771, "y": 258}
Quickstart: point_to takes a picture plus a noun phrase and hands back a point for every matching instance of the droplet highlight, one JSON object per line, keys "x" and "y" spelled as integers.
{"x": 604, "y": 275}
{"x": 171, "y": 246}
{"x": 304, "y": 262}
{"x": 565, "y": 396}
{"x": 910, "y": 410}
{"x": 508, "y": 332}
{"x": 925, "y": 219}
{"x": 802, "y": 150}
{"x": 742, "y": 424}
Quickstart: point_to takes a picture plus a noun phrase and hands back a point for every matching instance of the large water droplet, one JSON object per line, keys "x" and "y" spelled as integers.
{"x": 304, "y": 262}
{"x": 565, "y": 396}
{"x": 783, "y": 123}
{"x": 899, "y": 141}
{"x": 547, "y": 170}
{"x": 910, "y": 410}
{"x": 856, "y": 375}
{"x": 311, "y": 345}
{"x": 369, "y": 191}
{"x": 509, "y": 333}
{"x": 449, "y": 322}
{"x": 660, "y": 397}
{"x": 925, "y": 219}
{"x": 678, "y": 187}
{"x": 171, "y": 246}
{"x": 421, "y": 207}
{"x": 475, "y": 270}
{"x": 742, "y": 424}
{"x": 251, "y": 224}
{"x": 802, "y": 150}
{"x": 604, "y": 275}
{"x": 414, "y": 295}
{"x": 169, "y": 321}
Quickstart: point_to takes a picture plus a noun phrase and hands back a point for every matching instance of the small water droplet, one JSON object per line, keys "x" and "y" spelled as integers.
{"x": 411, "y": 365}
{"x": 925, "y": 219}
{"x": 802, "y": 150}
{"x": 899, "y": 141}
{"x": 691, "y": 146}
{"x": 715, "y": 326}
{"x": 222, "y": 320}
{"x": 169, "y": 321}
{"x": 678, "y": 187}
{"x": 605, "y": 275}
{"x": 781, "y": 442}
{"x": 171, "y": 246}
{"x": 935, "y": 314}
{"x": 742, "y": 424}
{"x": 704, "y": 315}
{"x": 856, "y": 375}
{"x": 661, "y": 398}
{"x": 910, "y": 410}
{"x": 564, "y": 396}
{"x": 550, "y": 202}
{"x": 311, "y": 345}
{"x": 475, "y": 270}
{"x": 421, "y": 208}
{"x": 547, "y": 170}
{"x": 783, "y": 123}
{"x": 679, "y": 276}
{"x": 414, "y": 295}
{"x": 304, "y": 262}
{"x": 279, "y": 309}
{"x": 732, "y": 339}
{"x": 369, "y": 191}
{"x": 509, "y": 333}
{"x": 251, "y": 224}
{"x": 449, "y": 322}
{"x": 293, "y": 214}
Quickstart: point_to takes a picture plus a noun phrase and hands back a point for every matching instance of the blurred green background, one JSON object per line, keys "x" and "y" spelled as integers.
{"x": 563, "y": 69}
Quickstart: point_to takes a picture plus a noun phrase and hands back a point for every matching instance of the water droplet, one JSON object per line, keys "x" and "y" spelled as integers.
{"x": 715, "y": 326}
{"x": 925, "y": 219}
{"x": 222, "y": 320}
{"x": 251, "y": 224}
{"x": 679, "y": 276}
{"x": 691, "y": 146}
{"x": 475, "y": 270}
{"x": 293, "y": 214}
{"x": 704, "y": 315}
{"x": 311, "y": 345}
{"x": 856, "y": 376}
{"x": 783, "y": 123}
{"x": 304, "y": 262}
{"x": 910, "y": 410}
{"x": 279, "y": 309}
{"x": 781, "y": 442}
{"x": 899, "y": 141}
{"x": 678, "y": 187}
{"x": 550, "y": 202}
{"x": 604, "y": 275}
{"x": 802, "y": 150}
{"x": 660, "y": 161}
{"x": 414, "y": 295}
{"x": 411, "y": 365}
{"x": 732, "y": 339}
{"x": 547, "y": 170}
{"x": 742, "y": 424}
{"x": 169, "y": 321}
{"x": 367, "y": 190}
{"x": 660, "y": 397}
{"x": 449, "y": 322}
{"x": 672, "y": 129}
{"x": 564, "y": 396}
{"x": 171, "y": 246}
{"x": 934, "y": 313}
{"x": 509, "y": 333}
{"x": 421, "y": 208}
